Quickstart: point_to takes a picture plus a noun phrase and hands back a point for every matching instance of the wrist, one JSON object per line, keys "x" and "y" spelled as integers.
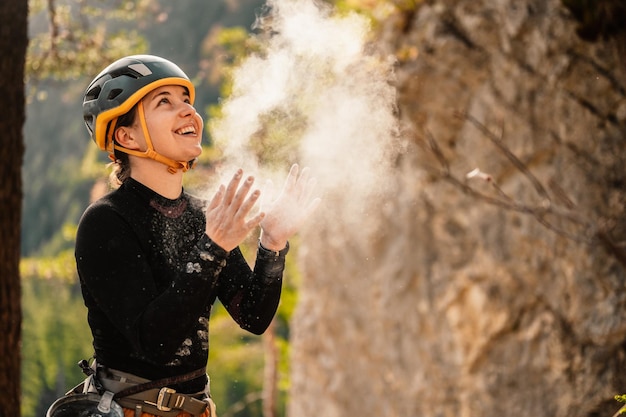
{"x": 208, "y": 244}
{"x": 270, "y": 244}
{"x": 276, "y": 253}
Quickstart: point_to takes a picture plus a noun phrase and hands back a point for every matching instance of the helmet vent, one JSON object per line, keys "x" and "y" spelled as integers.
{"x": 89, "y": 122}
{"x": 93, "y": 93}
{"x": 141, "y": 69}
{"x": 114, "y": 93}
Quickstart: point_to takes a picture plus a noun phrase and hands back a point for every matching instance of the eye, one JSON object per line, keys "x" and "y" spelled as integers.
{"x": 164, "y": 100}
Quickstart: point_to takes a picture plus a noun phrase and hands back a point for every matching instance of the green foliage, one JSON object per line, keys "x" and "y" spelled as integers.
{"x": 69, "y": 39}
{"x": 57, "y": 268}
{"x": 621, "y": 398}
{"x": 274, "y": 143}
{"x": 80, "y": 38}
{"x": 377, "y": 11}
{"x": 236, "y": 357}
{"x": 55, "y": 334}
{"x": 57, "y": 194}
{"x": 225, "y": 48}
{"x": 235, "y": 361}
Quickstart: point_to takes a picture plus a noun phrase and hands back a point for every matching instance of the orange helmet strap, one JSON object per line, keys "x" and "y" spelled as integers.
{"x": 150, "y": 153}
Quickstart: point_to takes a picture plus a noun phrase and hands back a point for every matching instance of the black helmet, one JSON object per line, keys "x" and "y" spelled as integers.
{"x": 85, "y": 405}
{"x": 120, "y": 86}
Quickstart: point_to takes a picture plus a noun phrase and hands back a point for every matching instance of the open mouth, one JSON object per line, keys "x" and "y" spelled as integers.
{"x": 186, "y": 130}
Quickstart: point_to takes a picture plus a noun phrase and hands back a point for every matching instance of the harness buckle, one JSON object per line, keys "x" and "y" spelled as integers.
{"x": 161, "y": 398}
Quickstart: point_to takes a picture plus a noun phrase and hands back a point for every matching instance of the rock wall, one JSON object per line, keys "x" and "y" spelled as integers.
{"x": 499, "y": 294}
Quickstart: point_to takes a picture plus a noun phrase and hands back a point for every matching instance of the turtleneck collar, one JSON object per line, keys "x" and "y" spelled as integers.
{"x": 166, "y": 206}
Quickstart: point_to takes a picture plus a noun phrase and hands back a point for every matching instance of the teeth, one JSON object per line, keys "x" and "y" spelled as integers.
{"x": 185, "y": 130}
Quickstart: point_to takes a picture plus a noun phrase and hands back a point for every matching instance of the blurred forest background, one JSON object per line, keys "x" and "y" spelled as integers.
{"x": 485, "y": 274}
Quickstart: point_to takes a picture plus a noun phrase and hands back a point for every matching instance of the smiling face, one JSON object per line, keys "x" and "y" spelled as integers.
{"x": 174, "y": 127}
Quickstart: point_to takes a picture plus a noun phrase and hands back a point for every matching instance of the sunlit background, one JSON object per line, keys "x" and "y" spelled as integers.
{"x": 469, "y": 256}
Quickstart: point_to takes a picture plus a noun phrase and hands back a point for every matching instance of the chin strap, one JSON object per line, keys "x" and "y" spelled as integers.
{"x": 172, "y": 166}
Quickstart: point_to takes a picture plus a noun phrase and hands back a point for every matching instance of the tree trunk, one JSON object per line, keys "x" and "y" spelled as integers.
{"x": 13, "y": 42}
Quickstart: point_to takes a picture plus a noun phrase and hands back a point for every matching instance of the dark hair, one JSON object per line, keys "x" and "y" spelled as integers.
{"x": 121, "y": 168}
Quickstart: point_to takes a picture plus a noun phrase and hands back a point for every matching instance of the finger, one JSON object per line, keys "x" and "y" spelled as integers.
{"x": 304, "y": 172}
{"x": 217, "y": 198}
{"x": 247, "y": 205}
{"x": 242, "y": 192}
{"x": 254, "y": 222}
{"x": 291, "y": 177}
{"x": 302, "y": 183}
{"x": 307, "y": 193}
{"x": 232, "y": 187}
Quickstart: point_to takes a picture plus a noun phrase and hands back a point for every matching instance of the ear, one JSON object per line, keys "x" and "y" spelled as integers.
{"x": 125, "y": 137}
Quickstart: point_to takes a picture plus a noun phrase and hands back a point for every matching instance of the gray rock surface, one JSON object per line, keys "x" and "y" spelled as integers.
{"x": 436, "y": 302}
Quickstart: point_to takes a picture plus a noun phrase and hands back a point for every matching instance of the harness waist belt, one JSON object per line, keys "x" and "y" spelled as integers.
{"x": 164, "y": 402}
{"x": 161, "y": 401}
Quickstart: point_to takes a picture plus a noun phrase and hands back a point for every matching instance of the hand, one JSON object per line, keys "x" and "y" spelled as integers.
{"x": 285, "y": 215}
{"x": 226, "y": 214}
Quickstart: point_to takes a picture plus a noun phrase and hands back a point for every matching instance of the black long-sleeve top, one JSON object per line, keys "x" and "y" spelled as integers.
{"x": 149, "y": 275}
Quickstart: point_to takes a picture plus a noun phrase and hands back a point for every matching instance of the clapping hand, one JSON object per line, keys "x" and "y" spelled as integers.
{"x": 284, "y": 215}
{"x": 228, "y": 210}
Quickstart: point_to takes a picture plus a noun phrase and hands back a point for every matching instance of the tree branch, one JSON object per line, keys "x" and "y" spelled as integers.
{"x": 548, "y": 213}
{"x": 497, "y": 141}
{"x": 53, "y": 28}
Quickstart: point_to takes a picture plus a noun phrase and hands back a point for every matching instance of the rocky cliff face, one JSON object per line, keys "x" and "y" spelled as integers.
{"x": 495, "y": 293}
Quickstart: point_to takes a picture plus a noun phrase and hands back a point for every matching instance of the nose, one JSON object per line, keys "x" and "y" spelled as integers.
{"x": 187, "y": 110}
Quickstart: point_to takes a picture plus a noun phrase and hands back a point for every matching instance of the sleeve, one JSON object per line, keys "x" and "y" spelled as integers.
{"x": 251, "y": 297}
{"x": 113, "y": 269}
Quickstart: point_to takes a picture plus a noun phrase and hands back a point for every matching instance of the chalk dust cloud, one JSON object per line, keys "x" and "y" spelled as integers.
{"x": 320, "y": 95}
